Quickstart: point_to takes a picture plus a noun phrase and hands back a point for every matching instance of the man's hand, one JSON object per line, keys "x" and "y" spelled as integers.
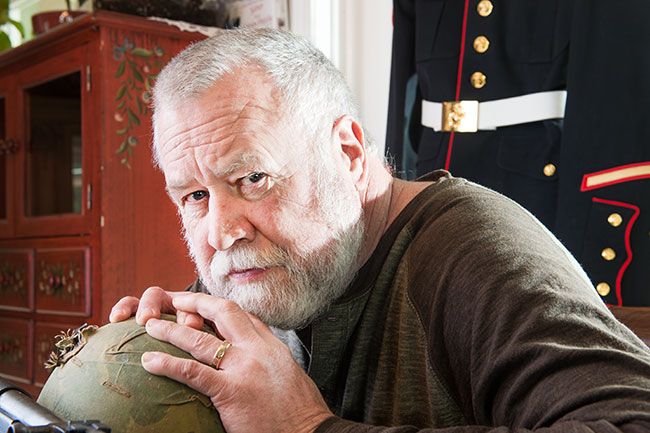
{"x": 258, "y": 386}
{"x": 154, "y": 302}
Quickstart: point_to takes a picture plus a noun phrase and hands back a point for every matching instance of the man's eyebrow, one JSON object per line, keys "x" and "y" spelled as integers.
{"x": 247, "y": 159}
{"x": 176, "y": 186}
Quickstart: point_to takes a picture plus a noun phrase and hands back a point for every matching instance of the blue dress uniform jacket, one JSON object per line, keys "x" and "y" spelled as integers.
{"x": 493, "y": 49}
{"x": 604, "y": 194}
{"x": 527, "y": 52}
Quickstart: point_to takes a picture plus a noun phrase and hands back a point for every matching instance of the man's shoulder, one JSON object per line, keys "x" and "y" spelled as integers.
{"x": 461, "y": 230}
{"x": 453, "y": 214}
{"x": 455, "y": 199}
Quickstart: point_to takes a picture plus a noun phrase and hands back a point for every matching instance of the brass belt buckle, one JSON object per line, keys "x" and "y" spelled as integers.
{"x": 460, "y": 116}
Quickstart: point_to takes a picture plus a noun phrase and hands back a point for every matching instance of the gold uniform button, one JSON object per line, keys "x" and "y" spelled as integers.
{"x": 608, "y": 254}
{"x": 481, "y": 44}
{"x": 549, "y": 170}
{"x": 484, "y": 8}
{"x": 615, "y": 219}
{"x": 478, "y": 80}
{"x": 603, "y": 289}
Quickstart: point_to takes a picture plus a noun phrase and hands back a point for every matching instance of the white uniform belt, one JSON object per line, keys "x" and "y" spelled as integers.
{"x": 471, "y": 116}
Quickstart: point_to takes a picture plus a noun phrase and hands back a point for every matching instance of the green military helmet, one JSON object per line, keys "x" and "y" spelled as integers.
{"x": 99, "y": 376}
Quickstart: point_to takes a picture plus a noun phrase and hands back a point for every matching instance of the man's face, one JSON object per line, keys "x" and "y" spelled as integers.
{"x": 269, "y": 224}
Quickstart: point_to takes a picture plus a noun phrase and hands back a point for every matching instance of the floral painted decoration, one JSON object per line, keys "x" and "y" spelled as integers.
{"x": 137, "y": 69}
{"x": 43, "y": 347}
{"x": 56, "y": 280}
{"x": 11, "y": 350}
{"x": 12, "y": 280}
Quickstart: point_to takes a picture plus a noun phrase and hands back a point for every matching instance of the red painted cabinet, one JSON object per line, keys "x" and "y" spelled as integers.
{"x": 84, "y": 218}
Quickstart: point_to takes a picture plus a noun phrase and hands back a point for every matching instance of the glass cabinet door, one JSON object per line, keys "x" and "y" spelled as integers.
{"x": 8, "y": 151}
{"x": 4, "y": 151}
{"x": 53, "y": 157}
{"x": 55, "y": 195}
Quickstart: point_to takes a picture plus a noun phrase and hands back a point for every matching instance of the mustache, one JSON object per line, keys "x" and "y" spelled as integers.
{"x": 244, "y": 257}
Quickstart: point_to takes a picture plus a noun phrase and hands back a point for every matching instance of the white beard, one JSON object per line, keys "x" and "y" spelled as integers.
{"x": 296, "y": 289}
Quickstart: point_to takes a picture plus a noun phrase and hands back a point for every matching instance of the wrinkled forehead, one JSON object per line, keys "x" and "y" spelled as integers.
{"x": 239, "y": 107}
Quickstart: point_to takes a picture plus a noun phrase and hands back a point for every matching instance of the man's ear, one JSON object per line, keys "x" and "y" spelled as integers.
{"x": 349, "y": 143}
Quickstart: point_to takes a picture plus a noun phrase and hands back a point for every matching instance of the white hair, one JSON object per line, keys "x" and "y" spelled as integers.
{"x": 314, "y": 93}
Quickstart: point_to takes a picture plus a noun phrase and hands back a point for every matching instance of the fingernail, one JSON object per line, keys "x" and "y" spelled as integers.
{"x": 146, "y": 357}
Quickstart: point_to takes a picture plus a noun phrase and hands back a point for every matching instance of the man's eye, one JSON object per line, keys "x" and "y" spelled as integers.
{"x": 254, "y": 186}
{"x": 253, "y": 178}
{"x": 196, "y": 196}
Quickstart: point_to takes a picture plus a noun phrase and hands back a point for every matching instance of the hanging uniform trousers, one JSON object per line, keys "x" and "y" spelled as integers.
{"x": 521, "y": 60}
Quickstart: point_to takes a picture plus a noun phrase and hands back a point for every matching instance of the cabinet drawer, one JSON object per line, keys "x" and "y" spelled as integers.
{"x": 16, "y": 279}
{"x": 15, "y": 350}
{"x": 62, "y": 281}
{"x": 44, "y": 339}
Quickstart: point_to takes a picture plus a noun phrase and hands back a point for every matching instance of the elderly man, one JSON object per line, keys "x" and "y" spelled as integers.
{"x": 419, "y": 305}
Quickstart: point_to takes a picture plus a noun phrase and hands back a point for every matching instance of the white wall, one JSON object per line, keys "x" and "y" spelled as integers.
{"x": 356, "y": 35}
{"x": 366, "y": 37}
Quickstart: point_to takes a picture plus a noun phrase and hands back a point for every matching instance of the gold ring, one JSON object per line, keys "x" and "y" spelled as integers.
{"x": 220, "y": 353}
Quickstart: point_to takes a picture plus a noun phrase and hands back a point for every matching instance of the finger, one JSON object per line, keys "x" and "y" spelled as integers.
{"x": 186, "y": 318}
{"x": 262, "y": 328}
{"x": 201, "y": 377}
{"x": 154, "y": 301}
{"x": 231, "y": 321}
{"x": 192, "y": 320}
{"x": 123, "y": 309}
{"x": 199, "y": 344}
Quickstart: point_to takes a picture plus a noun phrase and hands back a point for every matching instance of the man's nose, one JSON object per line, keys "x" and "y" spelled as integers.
{"x": 228, "y": 224}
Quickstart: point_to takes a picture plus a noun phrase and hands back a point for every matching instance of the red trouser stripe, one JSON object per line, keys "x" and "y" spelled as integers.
{"x": 459, "y": 76}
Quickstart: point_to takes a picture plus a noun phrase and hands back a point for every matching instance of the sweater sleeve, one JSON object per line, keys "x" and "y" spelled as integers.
{"x": 339, "y": 425}
{"x": 515, "y": 331}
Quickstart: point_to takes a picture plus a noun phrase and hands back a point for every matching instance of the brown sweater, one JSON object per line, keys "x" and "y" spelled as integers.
{"x": 471, "y": 317}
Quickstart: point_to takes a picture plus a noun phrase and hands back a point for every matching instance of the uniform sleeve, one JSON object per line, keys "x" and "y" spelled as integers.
{"x": 515, "y": 330}
{"x": 402, "y": 68}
